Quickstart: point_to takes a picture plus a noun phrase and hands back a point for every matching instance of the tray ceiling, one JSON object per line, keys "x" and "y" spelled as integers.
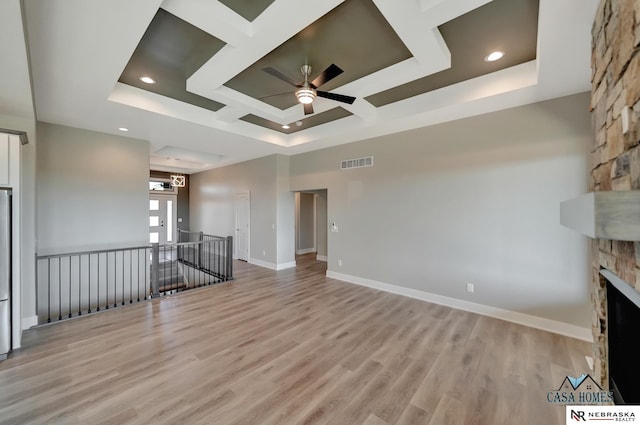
{"x": 408, "y": 63}
{"x": 355, "y": 36}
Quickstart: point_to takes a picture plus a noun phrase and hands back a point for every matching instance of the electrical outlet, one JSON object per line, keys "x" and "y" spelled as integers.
{"x": 469, "y": 287}
{"x": 264, "y": 253}
{"x": 339, "y": 263}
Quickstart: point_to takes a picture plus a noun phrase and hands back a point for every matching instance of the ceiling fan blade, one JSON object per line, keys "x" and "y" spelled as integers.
{"x": 308, "y": 108}
{"x": 328, "y": 74}
{"x": 279, "y": 75}
{"x": 336, "y": 96}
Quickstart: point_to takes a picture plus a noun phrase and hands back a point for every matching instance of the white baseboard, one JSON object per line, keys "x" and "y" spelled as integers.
{"x": 322, "y": 258}
{"x": 261, "y": 263}
{"x": 305, "y": 251}
{"x": 549, "y": 325}
{"x": 283, "y": 266}
{"x": 29, "y": 322}
{"x": 272, "y": 266}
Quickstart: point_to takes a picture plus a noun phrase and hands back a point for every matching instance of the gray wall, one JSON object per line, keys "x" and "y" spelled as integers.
{"x": 92, "y": 190}
{"x": 212, "y": 205}
{"x": 470, "y": 201}
{"x": 285, "y": 220}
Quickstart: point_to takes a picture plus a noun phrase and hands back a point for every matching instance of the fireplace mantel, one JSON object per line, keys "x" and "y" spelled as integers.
{"x": 613, "y": 215}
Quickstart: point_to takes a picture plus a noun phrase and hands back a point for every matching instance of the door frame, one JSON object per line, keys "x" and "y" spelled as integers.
{"x": 242, "y": 195}
{"x": 298, "y": 215}
{"x": 168, "y": 197}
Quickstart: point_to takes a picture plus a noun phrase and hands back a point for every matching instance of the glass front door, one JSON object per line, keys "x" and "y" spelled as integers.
{"x": 162, "y": 218}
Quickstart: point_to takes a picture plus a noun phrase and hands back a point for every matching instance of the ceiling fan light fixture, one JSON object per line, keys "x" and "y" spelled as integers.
{"x": 305, "y": 95}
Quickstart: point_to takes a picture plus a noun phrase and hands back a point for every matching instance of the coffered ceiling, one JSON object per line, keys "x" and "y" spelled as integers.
{"x": 408, "y": 63}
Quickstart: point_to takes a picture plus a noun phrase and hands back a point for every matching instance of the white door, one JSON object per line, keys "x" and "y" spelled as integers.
{"x": 162, "y": 219}
{"x": 242, "y": 226}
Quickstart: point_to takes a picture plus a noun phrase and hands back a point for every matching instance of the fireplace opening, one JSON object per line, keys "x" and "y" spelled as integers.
{"x": 623, "y": 330}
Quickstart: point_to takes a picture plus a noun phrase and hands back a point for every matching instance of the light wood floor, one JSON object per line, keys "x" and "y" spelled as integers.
{"x": 288, "y": 347}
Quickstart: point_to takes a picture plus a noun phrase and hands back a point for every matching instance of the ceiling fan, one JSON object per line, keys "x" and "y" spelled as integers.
{"x": 308, "y": 91}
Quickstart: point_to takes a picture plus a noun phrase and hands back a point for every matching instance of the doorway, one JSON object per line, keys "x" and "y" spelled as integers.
{"x": 162, "y": 218}
{"x": 311, "y": 224}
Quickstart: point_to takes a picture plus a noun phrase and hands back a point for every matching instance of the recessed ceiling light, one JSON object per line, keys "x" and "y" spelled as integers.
{"x": 123, "y": 129}
{"x": 298, "y": 123}
{"x": 286, "y": 127}
{"x": 494, "y": 56}
{"x": 147, "y": 79}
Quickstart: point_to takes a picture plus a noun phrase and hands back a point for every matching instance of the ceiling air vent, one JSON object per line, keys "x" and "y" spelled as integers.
{"x": 347, "y": 164}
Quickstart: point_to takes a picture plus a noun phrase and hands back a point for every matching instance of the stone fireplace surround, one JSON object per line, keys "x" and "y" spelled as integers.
{"x": 615, "y": 165}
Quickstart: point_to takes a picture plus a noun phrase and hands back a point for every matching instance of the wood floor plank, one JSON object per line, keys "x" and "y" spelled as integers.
{"x": 284, "y": 348}
{"x": 414, "y": 416}
{"x": 374, "y": 420}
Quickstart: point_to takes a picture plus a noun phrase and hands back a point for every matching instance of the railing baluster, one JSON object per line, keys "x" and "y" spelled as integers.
{"x": 106, "y": 289}
{"x": 115, "y": 279}
{"x": 59, "y": 289}
{"x": 89, "y": 276}
{"x": 146, "y": 276}
{"x": 229, "y": 249}
{"x": 155, "y": 253}
{"x": 144, "y": 253}
{"x": 98, "y": 299}
{"x": 130, "y": 276}
{"x": 122, "y": 295}
{"x": 200, "y": 239}
{"x": 49, "y": 290}
{"x": 80, "y": 285}
{"x": 70, "y": 288}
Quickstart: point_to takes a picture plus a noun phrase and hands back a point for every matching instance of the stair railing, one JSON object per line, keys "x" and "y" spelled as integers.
{"x": 78, "y": 283}
{"x": 196, "y": 260}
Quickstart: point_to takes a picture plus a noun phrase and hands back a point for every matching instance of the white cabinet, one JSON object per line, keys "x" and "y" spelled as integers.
{"x": 10, "y": 151}
{"x": 4, "y": 159}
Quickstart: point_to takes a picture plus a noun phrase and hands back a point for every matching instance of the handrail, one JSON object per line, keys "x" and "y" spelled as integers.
{"x": 102, "y": 251}
{"x": 201, "y": 235}
{"x": 96, "y": 251}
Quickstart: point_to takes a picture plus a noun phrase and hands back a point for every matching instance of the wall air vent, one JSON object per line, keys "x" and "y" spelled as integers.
{"x": 347, "y": 164}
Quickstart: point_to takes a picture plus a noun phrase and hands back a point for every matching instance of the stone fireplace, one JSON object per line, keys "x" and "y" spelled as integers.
{"x": 615, "y": 166}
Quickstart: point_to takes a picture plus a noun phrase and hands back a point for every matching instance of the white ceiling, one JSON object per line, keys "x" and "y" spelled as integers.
{"x": 78, "y": 49}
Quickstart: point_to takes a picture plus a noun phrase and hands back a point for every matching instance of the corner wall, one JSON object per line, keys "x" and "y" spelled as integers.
{"x": 212, "y": 207}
